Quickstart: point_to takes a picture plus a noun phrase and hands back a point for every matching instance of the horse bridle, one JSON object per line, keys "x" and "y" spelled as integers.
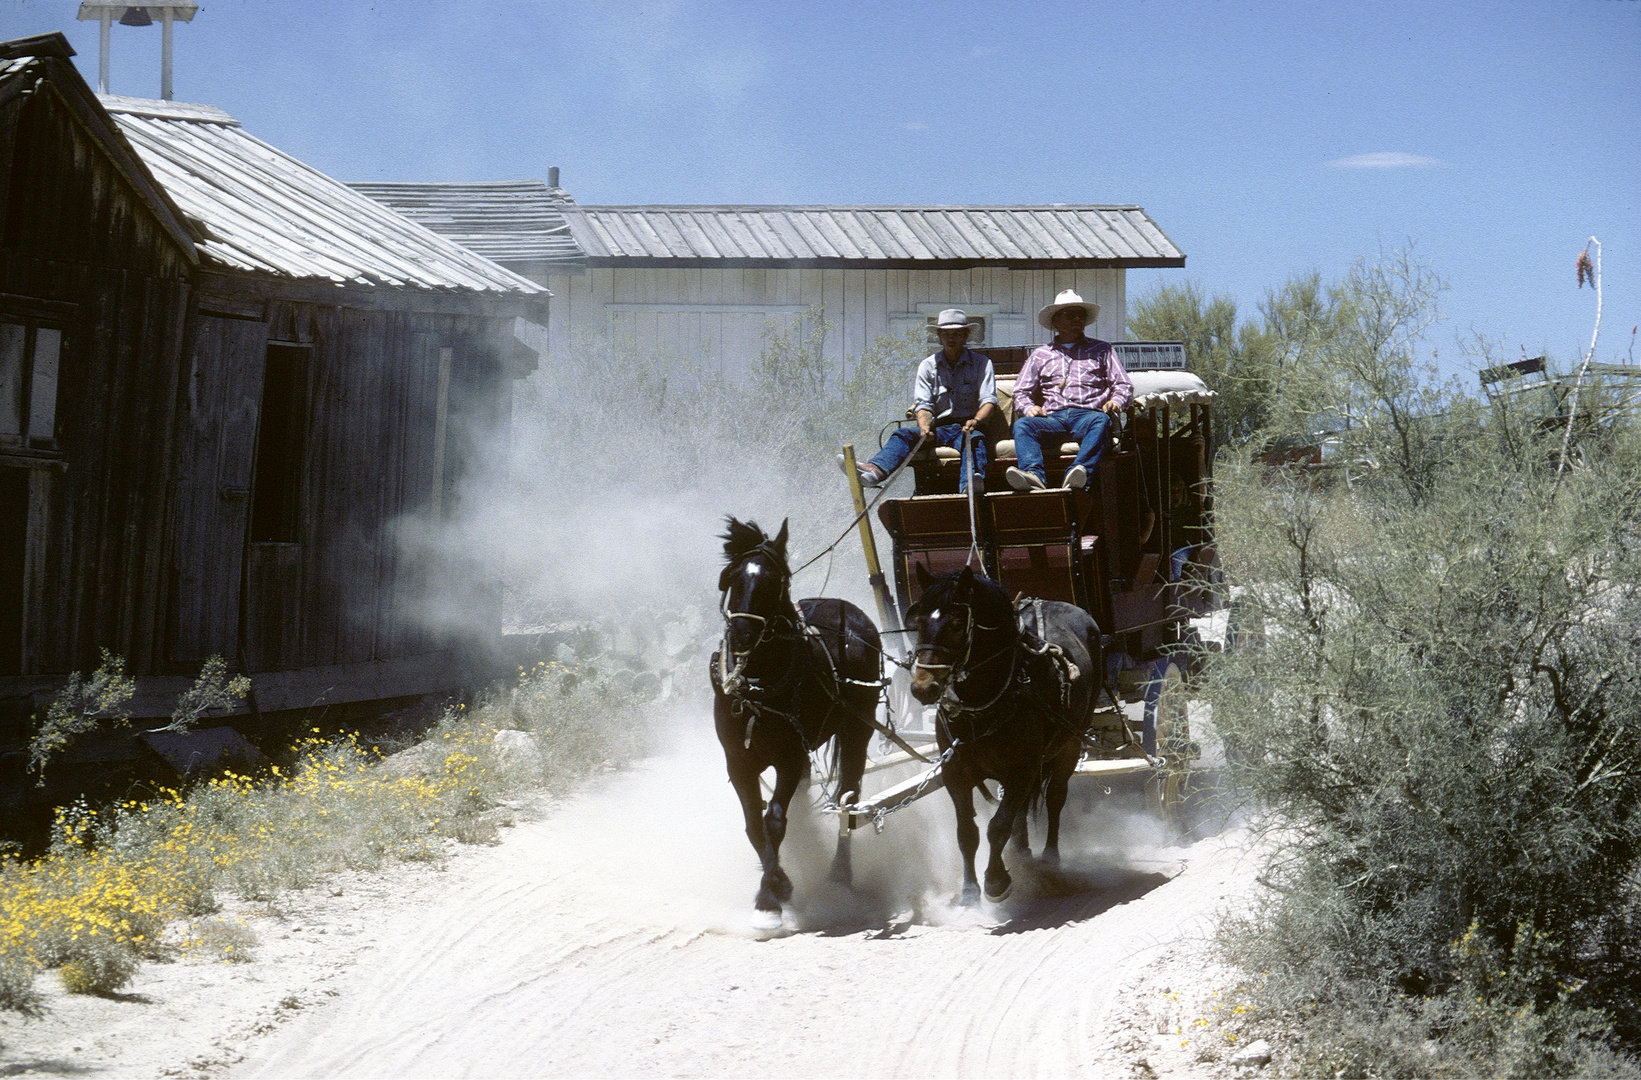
{"x": 956, "y": 673}
{"x": 743, "y": 689}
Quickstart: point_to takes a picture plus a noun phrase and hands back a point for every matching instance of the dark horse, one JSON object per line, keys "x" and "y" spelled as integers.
{"x": 1015, "y": 691}
{"x": 787, "y": 678}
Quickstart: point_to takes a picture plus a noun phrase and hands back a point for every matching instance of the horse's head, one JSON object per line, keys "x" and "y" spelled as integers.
{"x": 756, "y": 586}
{"x": 951, "y": 610}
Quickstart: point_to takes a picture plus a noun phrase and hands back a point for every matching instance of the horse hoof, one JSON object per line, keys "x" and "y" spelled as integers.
{"x": 969, "y": 897}
{"x": 998, "y": 897}
{"x": 766, "y": 920}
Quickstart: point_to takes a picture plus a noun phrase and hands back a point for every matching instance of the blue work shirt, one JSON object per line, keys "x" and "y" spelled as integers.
{"x": 954, "y": 391}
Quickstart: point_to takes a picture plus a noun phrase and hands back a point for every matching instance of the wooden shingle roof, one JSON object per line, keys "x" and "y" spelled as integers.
{"x": 510, "y": 221}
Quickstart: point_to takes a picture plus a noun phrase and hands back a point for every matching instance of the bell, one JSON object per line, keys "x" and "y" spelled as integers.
{"x": 136, "y": 16}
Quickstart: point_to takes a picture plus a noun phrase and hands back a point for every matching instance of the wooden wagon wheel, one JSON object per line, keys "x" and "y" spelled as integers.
{"x": 1167, "y": 733}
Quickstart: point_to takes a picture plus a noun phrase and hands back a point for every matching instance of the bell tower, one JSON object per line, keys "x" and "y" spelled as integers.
{"x": 165, "y": 12}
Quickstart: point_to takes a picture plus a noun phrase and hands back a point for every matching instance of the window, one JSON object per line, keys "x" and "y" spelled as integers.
{"x": 281, "y": 442}
{"x": 997, "y": 327}
{"x": 29, "y": 355}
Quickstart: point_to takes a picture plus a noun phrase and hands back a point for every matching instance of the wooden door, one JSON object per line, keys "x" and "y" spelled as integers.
{"x": 214, "y": 487}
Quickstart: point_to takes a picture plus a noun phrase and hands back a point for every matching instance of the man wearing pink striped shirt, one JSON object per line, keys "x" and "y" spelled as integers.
{"x": 1069, "y": 388}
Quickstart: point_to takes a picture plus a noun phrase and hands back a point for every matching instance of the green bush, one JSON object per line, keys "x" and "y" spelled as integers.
{"x": 1444, "y": 743}
{"x": 1448, "y": 746}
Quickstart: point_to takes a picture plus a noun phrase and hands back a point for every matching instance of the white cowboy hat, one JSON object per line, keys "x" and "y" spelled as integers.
{"x": 954, "y": 319}
{"x": 1066, "y": 299}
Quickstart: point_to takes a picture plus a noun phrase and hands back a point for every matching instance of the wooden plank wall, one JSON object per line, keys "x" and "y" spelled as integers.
{"x": 861, "y": 306}
{"x": 358, "y": 575}
{"x": 224, "y": 396}
{"x": 75, "y": 233}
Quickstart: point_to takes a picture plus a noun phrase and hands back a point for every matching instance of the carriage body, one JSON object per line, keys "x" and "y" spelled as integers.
{"x": 1109, "y": 548}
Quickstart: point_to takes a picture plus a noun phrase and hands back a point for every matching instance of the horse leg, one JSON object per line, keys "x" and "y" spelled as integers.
{"x": 1059, "y": 782}
{"x": 1020, "y": 838}
{"x": 776, "y": 888}
{"x": 745, "y": 780}
{"x": 853, "y": 741}
{"x": 1010, "y": 806}
{"x": 968, "y": 835}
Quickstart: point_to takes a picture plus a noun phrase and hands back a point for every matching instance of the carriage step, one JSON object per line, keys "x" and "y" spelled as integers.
{"x": 1119, "y": 767}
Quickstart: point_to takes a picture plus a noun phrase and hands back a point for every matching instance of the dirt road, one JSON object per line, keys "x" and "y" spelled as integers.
{"x": 610, "y": 938}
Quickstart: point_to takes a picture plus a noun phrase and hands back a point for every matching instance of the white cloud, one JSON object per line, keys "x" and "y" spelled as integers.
{"x": 1386, "y": 159}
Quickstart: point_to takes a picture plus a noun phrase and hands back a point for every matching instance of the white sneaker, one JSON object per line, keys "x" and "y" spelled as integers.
{"x": 1020, "y": 480}
{"x": 1076, "y": 478}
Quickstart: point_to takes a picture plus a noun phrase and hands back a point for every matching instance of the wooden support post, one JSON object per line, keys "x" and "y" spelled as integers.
{"x": 868, "y": 542}
{"x": 165, "y": 56}
{"x": 104, "y": 24}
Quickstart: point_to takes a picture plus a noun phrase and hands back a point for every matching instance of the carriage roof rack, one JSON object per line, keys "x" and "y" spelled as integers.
{"x": 1151, "y": 355}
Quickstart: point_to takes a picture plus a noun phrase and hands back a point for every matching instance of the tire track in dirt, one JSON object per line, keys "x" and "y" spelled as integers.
{"x": 609, "y": 938}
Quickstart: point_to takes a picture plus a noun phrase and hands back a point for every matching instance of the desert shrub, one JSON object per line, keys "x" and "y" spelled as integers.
{"x": 84, "y": 703}
{"x": 80, "y": 706}
{"x": 97, "y": 965}
{"x": 579, "y": 723}
{"x": 1447, "y": 747}
{"x": 229, "y": 941}
{"x": 17, "y": 992}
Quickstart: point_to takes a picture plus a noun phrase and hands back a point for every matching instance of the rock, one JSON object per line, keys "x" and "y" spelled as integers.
{"x": 203, "y": 749}
{"x": 1256, "y": 1053}
{"x": 423, "y": 759}
{"x": 517, "y": 753}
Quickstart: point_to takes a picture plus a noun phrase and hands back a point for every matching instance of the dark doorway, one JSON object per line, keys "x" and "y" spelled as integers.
{"x": 281, "y": 442}
{"x": 13, "y": 547}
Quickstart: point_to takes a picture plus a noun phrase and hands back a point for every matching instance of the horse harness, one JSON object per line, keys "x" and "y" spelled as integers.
{"x": 1017, "y": 683}
{"x": 752, "y": 697}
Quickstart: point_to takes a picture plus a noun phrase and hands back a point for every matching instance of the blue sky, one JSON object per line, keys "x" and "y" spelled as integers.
{"x": 1265, "y": 138}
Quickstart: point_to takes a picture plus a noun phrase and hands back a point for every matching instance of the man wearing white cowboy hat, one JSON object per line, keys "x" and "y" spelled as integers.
{"x": 1072, "y": 386}
{"x": 955, "y": 391}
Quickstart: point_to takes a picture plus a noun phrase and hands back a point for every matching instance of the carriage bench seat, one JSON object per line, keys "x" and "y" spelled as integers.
{"x": 1152, "y": 390}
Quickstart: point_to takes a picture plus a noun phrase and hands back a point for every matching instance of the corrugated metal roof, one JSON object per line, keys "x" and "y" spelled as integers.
{"x": 904, "y": 235}
{"x": 260, "y": 209}
{"x": 507, "y": 220}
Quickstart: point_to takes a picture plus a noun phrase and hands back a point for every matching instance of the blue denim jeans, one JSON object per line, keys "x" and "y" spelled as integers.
{"x": 1090, "y": 427}
{"x": 902, "y": 439}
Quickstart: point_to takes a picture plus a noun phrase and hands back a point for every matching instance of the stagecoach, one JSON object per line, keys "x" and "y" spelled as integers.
{"x": 1134, "y": 549}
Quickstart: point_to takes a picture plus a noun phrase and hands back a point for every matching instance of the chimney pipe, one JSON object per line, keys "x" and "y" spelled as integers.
{"x": 552, "y": 176}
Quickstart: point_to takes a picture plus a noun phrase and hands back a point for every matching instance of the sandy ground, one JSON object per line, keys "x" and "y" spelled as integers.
{"x": 608, "y": 936}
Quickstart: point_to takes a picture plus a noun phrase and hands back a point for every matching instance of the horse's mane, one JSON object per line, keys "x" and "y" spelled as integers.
{"x": 741, "y": 538}
{"x": 744, "y": 539}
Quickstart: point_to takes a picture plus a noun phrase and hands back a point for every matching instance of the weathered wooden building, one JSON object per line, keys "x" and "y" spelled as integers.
{"x": 706, "y": 282}
{"x": 226, "y": 382}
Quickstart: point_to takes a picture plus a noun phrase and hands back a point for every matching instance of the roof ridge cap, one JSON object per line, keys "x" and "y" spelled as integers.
{"x": 728, "y": 207}
{"x": 157, "y": 109}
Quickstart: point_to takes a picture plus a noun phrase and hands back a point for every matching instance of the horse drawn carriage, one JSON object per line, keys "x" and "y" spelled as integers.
{"x": 1058, "y": 606}
{"x": 1134, "y": 549}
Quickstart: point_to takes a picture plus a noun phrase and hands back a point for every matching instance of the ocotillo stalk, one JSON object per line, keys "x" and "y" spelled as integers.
{"x": 1583, "y": 370}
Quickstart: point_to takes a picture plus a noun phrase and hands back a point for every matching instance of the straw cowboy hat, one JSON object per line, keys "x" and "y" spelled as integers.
{"x": 1069, "y": 298}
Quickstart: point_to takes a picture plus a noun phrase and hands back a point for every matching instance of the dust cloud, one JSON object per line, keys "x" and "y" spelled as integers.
{"x": 600, "y": 508}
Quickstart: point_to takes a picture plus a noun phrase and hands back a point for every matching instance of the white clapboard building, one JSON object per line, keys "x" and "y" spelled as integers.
{"x": 709, "y": 282}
